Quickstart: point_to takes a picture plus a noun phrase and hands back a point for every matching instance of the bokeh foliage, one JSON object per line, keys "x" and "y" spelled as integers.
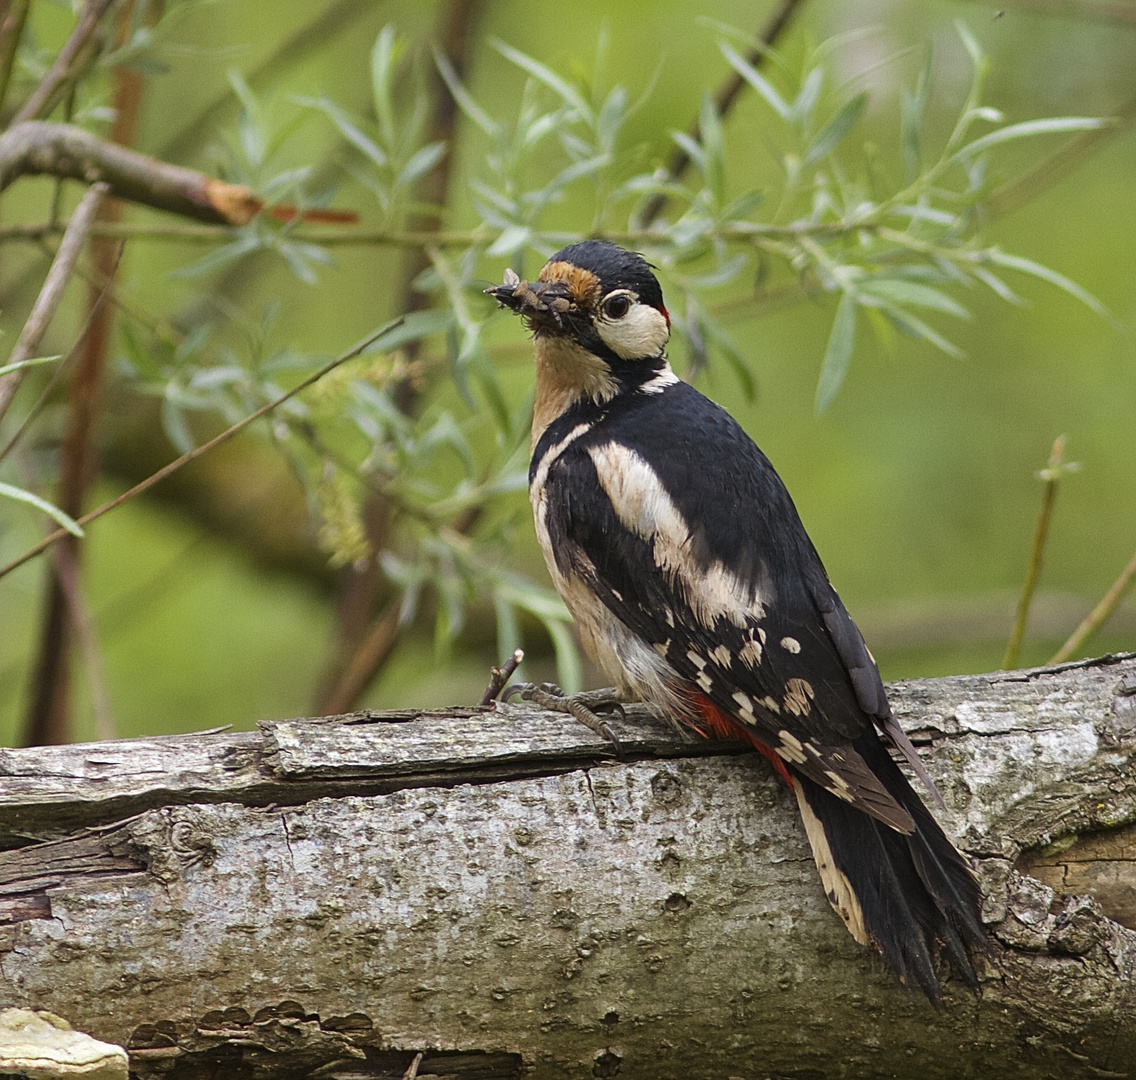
{"x": 830, "y": 261}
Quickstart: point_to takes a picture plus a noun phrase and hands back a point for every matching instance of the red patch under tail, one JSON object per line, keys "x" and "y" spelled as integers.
{"x": 723, "y": 726}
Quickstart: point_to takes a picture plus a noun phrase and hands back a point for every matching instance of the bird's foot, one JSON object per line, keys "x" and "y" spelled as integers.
{"x": 584, "y": 707}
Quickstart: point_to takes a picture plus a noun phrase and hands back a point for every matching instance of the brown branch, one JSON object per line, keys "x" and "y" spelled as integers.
{"x": 66, "y": 566}
{"x": 39, "y": 148}
{"x": 365, "y": 660}
{"x": 43, "y": 311}
{"x": 67, "y": 64}
{"x": 49, "y": 717}
{"x": 1023, "y": 189}
{"x": 11, "y": 31}
{"x": 65, "y": 613}
{"x": 1122, "y": 12}
{"x": 365, "y": 641}
{"x": 724, "y": 99}
{"x": 194, "y": 454}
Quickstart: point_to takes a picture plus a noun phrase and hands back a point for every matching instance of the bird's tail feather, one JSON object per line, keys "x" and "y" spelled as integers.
{"x": 908, "y": 895}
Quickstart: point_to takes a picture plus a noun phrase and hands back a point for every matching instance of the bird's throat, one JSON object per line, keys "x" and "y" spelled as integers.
{"x": 567, "y": 373}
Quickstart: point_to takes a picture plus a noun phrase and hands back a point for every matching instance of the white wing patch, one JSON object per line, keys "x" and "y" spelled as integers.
{"x": 798, "y": 694}
{"x": 750, "y": 653}
{"x": 745, "y": 705}
{"x": 644, "y": 508}
{"x": 790, "y": 748}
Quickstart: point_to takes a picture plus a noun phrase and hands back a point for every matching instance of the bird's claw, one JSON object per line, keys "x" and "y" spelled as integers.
{"x": 581, "y": 706}
{"x": 526, "y": 690}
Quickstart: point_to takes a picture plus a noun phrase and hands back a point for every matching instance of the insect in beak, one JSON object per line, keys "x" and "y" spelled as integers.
{"x": 541, "y": 301}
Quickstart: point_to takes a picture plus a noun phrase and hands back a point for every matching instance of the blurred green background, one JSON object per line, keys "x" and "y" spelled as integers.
{"x": 917, "y": 485}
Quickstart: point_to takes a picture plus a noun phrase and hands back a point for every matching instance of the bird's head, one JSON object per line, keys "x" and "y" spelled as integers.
{"x": 594, "y": 295}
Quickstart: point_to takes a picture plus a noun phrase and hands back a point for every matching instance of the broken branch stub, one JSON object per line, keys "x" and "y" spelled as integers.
{"x": 38, "y": 148}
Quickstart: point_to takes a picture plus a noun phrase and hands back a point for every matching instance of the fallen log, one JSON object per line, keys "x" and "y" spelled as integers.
{"x": 491, "y": 889}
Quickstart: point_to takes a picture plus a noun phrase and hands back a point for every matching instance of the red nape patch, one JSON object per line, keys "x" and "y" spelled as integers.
{"x": 723, "y": 726}
{"x": 666, "y": 315}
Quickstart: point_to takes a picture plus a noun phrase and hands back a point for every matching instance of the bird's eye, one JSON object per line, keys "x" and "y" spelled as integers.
{"x": 615, "y": 307}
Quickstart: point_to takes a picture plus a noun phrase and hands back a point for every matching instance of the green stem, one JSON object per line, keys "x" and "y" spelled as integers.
{"x": 1099, "y": 615}
{"x": 1052, "y": 476}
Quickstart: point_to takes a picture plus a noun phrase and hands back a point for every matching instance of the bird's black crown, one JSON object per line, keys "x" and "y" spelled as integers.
{"x": 615, "y": 267}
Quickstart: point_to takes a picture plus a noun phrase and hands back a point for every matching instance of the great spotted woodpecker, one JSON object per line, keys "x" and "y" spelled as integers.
{"x": 682, "y": 559}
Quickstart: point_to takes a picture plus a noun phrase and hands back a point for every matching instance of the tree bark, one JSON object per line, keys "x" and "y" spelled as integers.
{"x": 492, "y": 888}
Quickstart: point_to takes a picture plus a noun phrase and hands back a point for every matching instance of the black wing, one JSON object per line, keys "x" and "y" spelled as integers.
{"x": 692, "y": 541}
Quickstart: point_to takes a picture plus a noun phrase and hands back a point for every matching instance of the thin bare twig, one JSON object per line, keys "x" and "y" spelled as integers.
{"x": 1023, "y": 189}
{"x": 1099, "y": 615}
{"x": 63, "y": 365}
{"x": 724, "y": 100}
{"x": 412, "y": 1069}
{"x": 43, "y": 310}
{"x": 67, "y": 571}
{"x": 500, "y": 676}
{"x": 63, "y": 69}
{"x": 11, "y": 30}
{"x": 214, "y": 234}
{"x": 1052, "y": 476}
{"x": 194, "y": 454}
{"x": 332, "y": 21}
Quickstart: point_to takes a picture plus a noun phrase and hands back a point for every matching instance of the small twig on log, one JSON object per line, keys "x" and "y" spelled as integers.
{"x": 412, "y": 1070}
{"x": 724, "y": 99}
{"x": 500, "y": 676}
{"x": 1099, "y": 615}
{"x": 193, "y": 455}
{"x": 43, "y": 311}
{"x": 45, "y": 96}
{"x": 1052, "y": 476}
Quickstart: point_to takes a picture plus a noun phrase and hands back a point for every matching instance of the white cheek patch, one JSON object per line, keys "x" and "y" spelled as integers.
{"x": 639, "y": 335}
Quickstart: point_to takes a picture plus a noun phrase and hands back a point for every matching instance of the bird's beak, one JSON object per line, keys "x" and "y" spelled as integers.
{"x": 543, "y": 303}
